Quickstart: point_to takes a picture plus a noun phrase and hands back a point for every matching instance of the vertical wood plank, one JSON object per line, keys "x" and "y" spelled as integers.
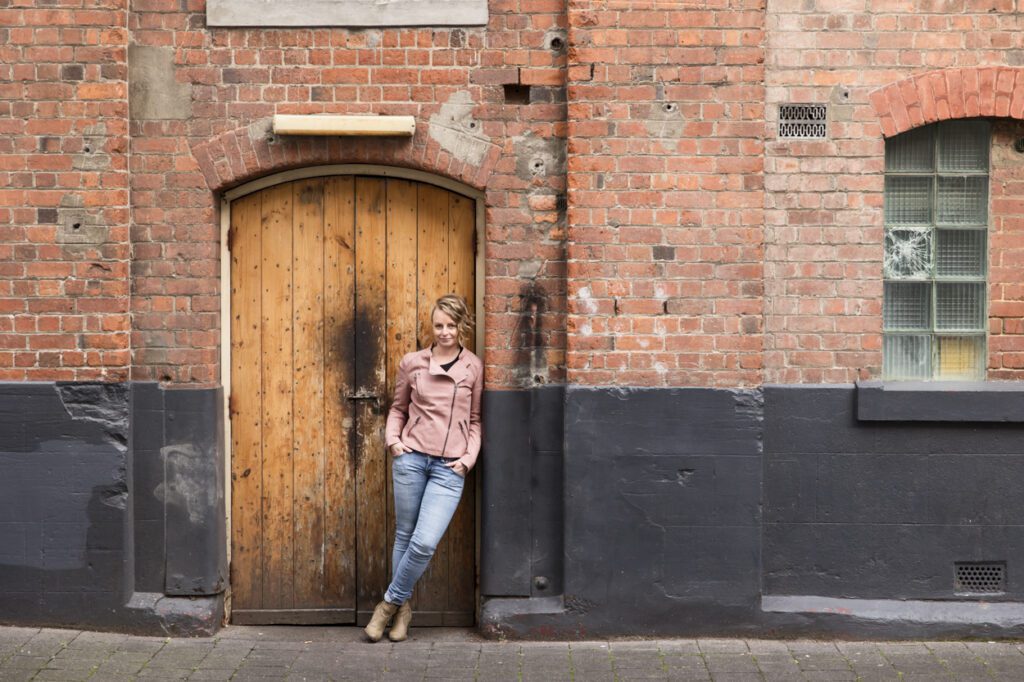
{"x": 245, "y": 405}
{"x": 339, "y": 415}
{"x": 276, "y": 218}
{"x": 461, "y": 259}
{"x": 432, "y": 255}
{"x": 462, "y": 532}
{"x": 401, "y": 292}
{"x": 308, "y": 392}
{"x": 371, "y": 313}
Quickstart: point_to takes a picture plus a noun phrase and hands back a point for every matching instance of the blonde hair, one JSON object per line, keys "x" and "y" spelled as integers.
{"x": 454, "y": 306}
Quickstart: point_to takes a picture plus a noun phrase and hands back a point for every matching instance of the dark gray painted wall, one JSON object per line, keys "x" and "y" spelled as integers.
{"x": 102, "y": 519}
{"x": 883, "y": 509}
{"x": 662, "y": 507}
{"x": 863, "y": 517}
{"x": 662, "y": 492}
{"x": 63, "y": 501}
{"x": 604, "y": 511}
{"x": 521, "y": 508}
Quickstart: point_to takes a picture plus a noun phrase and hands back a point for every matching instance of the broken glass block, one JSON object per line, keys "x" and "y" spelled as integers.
{"x": 908, "y": 254}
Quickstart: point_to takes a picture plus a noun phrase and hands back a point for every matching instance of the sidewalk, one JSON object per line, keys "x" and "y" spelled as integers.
{"x": 335, "y": 653}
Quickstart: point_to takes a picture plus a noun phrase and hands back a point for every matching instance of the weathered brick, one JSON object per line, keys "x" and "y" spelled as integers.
{"x": 683, "y": 216}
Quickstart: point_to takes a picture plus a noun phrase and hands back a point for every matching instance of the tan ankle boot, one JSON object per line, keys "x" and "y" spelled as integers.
{"x": 381, "y": 615}
{"x": 400, "y": 628}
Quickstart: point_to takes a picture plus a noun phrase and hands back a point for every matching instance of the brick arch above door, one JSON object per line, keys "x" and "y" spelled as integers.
{"x": 244, "y": 154}
{"x": 949, "y": 93}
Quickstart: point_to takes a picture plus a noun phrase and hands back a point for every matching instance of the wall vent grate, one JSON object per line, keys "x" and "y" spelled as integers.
{"x": 803, "y": 121}
{"x": 980, "y": 577}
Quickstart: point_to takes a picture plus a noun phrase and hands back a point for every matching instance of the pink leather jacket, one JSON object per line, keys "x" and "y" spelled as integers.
{"x": 437, "y": 412}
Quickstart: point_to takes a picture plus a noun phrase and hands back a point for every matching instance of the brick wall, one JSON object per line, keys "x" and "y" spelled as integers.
{"x": 63, "y": 191}
{"x": 237, "y": 78}
{"x": 665, "y": 192}
{"x": 699, "y": 249}
{"x": 824, "y": 223}
{"x": 1006, "y": 254}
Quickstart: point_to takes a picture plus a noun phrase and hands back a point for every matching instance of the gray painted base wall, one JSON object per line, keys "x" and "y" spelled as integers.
{"x": 779, "y": 512}
{"x": 98, "y": 528}
{"x": 879, "y": 510}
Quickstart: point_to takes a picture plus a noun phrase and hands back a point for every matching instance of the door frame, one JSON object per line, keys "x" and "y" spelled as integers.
{"x": 370, "y": 170}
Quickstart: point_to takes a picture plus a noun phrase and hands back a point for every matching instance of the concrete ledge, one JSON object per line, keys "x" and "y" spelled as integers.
{"x": 527, "y": 618}
{"x": 941, "y": 401}
{"x": 999, "y": 614}
{"x": 152, "y": 613}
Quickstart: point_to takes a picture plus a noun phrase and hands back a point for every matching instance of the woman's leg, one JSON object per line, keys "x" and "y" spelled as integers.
{"x": 409, "y": 476}
{"x": 440, "y": 500}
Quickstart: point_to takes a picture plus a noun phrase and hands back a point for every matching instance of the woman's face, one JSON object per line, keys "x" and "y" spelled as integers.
{"x": 446, "y": 332}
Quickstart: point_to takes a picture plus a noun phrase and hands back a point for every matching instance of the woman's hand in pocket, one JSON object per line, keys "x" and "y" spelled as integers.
{"x": 458, "y": 467}
{"x": 399, "y": 448}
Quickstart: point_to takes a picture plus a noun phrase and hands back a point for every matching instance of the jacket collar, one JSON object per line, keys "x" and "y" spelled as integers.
{"x": 459, "y": 371}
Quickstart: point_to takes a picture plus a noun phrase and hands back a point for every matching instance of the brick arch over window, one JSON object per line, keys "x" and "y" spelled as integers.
{"x": 237, "y": 156}
{"x": 949, "y": 93}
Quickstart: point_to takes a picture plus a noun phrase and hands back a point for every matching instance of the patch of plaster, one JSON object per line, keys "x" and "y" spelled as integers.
{"x": 187, "y": 476}
{"x": 154, "y": 93}
{"x": 539, "y": 156}
{"x": 77, "y": 224}
{"x": 665, "y": 120}
{"x": 262, "y": 129}
{"x": 587, "y": 303}
{"x": 93, "y": 156}
{"x": 842, "y": 108}
{"x": 556, "y": 40}
{"x": 528, "y": 269}
{"x": 458, "y": 132}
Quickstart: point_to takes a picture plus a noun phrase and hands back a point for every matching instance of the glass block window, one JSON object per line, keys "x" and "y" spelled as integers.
{"x": 935, "y": 305}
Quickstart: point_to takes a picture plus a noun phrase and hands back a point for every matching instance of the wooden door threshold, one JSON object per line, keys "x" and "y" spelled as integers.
{"x": 430, "y": 619}
{"x": 294, "y": 616}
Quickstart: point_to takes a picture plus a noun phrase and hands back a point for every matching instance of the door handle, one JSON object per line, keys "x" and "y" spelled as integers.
{"x": 363, "y": 395}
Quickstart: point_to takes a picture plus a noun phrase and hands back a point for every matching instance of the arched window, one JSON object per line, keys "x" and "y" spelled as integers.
{"x": 935, "y": 266}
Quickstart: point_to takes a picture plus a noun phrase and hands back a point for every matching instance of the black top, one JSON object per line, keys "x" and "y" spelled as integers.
{"x": 448, "y": 365}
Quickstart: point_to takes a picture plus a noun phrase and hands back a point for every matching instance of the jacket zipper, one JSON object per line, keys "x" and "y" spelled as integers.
{"x": 451, "y": 414}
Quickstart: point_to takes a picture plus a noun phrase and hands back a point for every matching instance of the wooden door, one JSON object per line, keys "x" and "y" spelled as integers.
{"x": 331, "y": 283}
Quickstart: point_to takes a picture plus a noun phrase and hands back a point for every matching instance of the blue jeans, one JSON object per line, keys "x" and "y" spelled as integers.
{"x": 426, "y": 496}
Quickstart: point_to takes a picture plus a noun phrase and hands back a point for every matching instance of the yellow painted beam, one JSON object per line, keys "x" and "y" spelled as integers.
{"x": 325, "y": 124}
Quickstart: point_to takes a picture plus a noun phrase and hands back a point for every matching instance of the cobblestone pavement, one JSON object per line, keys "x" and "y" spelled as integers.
{"x": 334, "y": 653}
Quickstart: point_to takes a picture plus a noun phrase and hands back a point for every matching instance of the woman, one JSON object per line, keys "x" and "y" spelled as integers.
{"x": 433, "y": 433}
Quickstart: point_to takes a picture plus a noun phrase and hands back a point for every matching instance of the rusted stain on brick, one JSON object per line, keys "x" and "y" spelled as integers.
{"x": 528, "y": 337}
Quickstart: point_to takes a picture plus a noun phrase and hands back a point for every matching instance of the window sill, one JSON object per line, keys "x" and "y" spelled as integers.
{"x": 941, "y": 401}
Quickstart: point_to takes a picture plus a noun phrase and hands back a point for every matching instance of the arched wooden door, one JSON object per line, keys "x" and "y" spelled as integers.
{"x": 331, "y": 283}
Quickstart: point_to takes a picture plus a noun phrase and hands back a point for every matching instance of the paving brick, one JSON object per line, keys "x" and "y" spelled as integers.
{"x": 722, "y": 646}
{"x": 349, "y": 658}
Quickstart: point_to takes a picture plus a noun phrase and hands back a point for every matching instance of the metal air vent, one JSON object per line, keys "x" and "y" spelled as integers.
{"x": 803, "y": 121}
{"x": 980, "y": 577}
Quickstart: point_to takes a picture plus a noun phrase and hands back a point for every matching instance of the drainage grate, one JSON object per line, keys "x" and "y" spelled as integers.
{"x": 806, "y": 121}
{"x": 980, "y": 577}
